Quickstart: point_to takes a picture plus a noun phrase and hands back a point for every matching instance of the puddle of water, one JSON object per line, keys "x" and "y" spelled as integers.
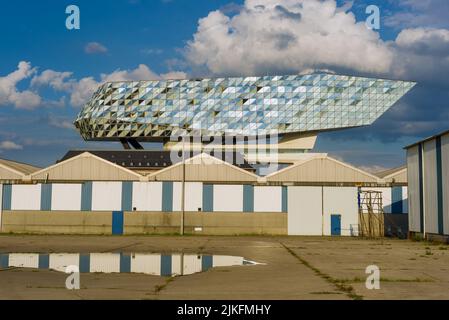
{"x": 145, "y": 263}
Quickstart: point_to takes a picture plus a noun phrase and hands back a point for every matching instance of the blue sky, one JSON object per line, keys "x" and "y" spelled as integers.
{"x": 131, "y": 39}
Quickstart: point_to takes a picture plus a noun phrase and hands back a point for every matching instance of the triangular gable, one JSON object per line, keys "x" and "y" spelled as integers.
{"x": 204, "y": 167}
{"x": 20, "y": 167}
{"x": 85, "y": 167}
{"x": 323, "y": 170}
{"x": 8, "y": 173}
{"x": 399, "y": 176}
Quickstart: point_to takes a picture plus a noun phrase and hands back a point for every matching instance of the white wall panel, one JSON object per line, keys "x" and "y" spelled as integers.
{"x": 193, "y": 199}
{"x": 177, "y": 195}
{"x": 192, "y": 263}
{"x": 176, "y": 264}
{"x": 194, "y": 196}
{"x": 66, "y": 197}
{"x": 413, "y": 189}
{"x": 24, "y": 260}
{"x": 404, "y": 199}
{"x": 268, "y": 199}
{"x": 430, "y": 187}
{"x": 106, "y": 196}
{"x": 146, "y": 263}
{"x": 60, "y": 261}
{"x": 105, "y": 262}
{"x": 228, "y": 198}
{"x": 1, "y": 206}
{"x": 147, "y": 196}
{"x": 305, "y": 211}
{"x": 445, "y": 173}
{"x": 26, "y": 197}
{"x": 223, "y": 261}
{"x": 341, "y": 201}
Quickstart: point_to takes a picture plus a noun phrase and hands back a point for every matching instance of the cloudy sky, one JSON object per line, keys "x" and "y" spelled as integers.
{"x": 47, "y": 72}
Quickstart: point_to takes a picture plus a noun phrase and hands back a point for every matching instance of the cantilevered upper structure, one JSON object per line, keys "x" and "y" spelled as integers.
{"x": 293, "y": 107}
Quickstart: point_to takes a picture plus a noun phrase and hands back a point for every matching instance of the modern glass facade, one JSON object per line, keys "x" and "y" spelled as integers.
{"x": 249, "y": 106}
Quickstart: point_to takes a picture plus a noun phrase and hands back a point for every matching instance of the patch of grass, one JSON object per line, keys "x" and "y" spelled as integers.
{"x": 417, "y": 238}
{"x": 325, "y": 292}
{"x": 45, "y": 287}
{"x": 159, "y": 288}
{"x": 353, "y": 280}
{"x": 405, "y": 280}
{"x": 442, "y": 248}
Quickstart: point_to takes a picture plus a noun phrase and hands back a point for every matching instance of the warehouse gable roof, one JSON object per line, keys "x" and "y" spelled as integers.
{"x": 204, "y": 167}
{"x": 145, "y": 159}
{"x": 322, "y": 169}
{"x": 395, "y": 175}
{"x": 85, "y": 167}
{"x": 12, "y": 170}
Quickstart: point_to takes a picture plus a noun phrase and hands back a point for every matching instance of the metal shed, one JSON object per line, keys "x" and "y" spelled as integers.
{"x": 428, "y": 180}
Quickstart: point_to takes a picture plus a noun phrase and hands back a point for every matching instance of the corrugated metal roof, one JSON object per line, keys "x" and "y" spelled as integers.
{"x": 395, "y": 175}
{"x": 322, "y": 169}
{"x": 204, "y": 167}
{"x": 85, "y": 167}
{"x": 23, "y": 168}
{"x": 385, "y": 173}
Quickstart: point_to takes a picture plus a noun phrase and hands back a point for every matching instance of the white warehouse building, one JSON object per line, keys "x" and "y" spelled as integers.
{"x": 87, "y": 194}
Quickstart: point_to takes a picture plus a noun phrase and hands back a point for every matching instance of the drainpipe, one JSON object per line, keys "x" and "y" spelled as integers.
{"x": 183, "y": 187}
{"x": 423, "y": 190}
{"x": 322, "y": 210}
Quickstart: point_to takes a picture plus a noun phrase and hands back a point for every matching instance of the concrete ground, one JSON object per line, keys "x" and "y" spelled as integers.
{"x": 296, "y": 268}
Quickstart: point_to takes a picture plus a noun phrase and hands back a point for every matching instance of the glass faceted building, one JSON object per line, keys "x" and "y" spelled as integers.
{"x": 247, "y": 106}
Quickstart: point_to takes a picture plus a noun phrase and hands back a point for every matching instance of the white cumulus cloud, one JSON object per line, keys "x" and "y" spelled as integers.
{"x": 425, "y": 41}
{"x": 81, "y": 90}
{"x": 54, "y": 79}
{"x": 95, "y": 48}
{"x": 174, "y": 75}
{"x": 422, "y": 54}
{"x": 11, "y": 95}
{"x": 285, "y": 36}
{"x": 9, "y": 145}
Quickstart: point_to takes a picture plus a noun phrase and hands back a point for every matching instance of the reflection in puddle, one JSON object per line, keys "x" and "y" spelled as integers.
{"x": 146, "y": 263}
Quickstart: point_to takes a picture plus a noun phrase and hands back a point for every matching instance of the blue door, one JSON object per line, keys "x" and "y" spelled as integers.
{"x": 336, "y": 225}
{"x": 117, "y": 222}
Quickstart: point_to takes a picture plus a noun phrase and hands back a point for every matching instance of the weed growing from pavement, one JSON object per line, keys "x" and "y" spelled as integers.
{"x": 341, "y": 286}
{"x": 326, "y": 292}
{"x": 159, "y": 288}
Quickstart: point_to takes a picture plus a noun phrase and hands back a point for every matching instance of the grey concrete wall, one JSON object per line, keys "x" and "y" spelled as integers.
{"x": 73, "y": 222}
{"x": 57, "y": 222}
{"x": 216, "y": 223}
